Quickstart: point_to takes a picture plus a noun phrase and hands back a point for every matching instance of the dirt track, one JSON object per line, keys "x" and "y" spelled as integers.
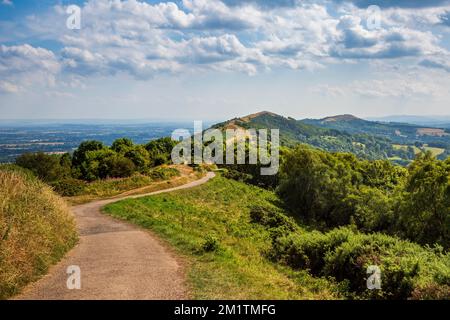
{"x": 117, "y": 260}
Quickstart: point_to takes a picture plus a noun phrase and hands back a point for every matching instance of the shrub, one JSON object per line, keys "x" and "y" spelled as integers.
{"x": 272, "y": 218}
{"x": 140, "y": 157}
{"x": 408, "y": 270}
{"x": 118, "y": 167}
{"x": 210, "y": 244}
{"x": 69, "y": 187}
{"x": 47, "y": 167}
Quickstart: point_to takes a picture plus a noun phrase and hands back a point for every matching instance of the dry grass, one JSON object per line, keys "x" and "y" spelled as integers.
{"x": 111, "y": 188}
{"x": 36, "y": 230}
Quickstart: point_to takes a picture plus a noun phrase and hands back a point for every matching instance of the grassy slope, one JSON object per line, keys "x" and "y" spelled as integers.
{"x": 36, "y": 229}
{"x": 238, "y": 269}
{"x": 435, "y": 151}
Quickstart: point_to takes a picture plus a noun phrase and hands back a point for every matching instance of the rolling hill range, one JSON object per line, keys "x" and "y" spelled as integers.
{"x": 398, "y": 132}
{"x": 399, "y": 142}
{"x": 434, "y": 121}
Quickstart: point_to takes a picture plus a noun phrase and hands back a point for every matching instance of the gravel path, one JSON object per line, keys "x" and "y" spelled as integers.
{"x": 117, "y": 260}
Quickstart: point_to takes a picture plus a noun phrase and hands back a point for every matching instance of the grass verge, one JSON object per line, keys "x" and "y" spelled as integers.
{"x": 36, "y": 229}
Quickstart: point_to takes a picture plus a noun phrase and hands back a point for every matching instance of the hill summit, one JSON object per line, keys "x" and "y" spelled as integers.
{"x": 343, "y": 117}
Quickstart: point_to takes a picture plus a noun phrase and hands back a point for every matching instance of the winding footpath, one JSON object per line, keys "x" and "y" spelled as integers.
{"x": 117, "y": 260}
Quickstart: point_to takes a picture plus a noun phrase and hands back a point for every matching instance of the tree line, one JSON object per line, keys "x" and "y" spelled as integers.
{"x": 93, "y": 160}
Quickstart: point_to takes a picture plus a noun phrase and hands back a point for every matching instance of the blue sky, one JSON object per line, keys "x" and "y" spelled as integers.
{"x": 216, "y": 59}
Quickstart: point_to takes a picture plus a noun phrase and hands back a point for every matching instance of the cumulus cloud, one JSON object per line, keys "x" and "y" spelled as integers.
{"x": 144, "y": 39}
{"x": 7, "y": 2}
{"x": 24, "y": 65}
{"x": 357, "y": 42}
{"x": 437, "y": 63}
{"x": 396, "y": 3}
{"x": 445, "y": 18}
{"x": 8, "y": 87}
{"x": 395, "y": 87}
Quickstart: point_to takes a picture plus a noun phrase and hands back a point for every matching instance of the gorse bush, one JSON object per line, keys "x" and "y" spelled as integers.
{"x": 407, "y": 269}
{"x": 272, "y": 218}
{"x": 69, "y": 187}
{"x": 211, "y": 243}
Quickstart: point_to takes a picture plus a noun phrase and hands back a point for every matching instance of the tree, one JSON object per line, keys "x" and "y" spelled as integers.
{"x": 122, "y": 145}
{"x": 79, "y": 155}
{"x": 49, "y": 168}
{"x": 315, "y": 184}
{"x": 425, "y": 210}
{"x": 139, "y": 156}
{"x": 106, "y": 163}
{"x": 117, "y": 166}
{"x": 160, "y": 150}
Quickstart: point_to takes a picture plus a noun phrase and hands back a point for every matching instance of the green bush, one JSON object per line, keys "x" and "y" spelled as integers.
{"x": 211, "y": 243}
{"x": 69, "y": 187}
{"x": 272, "y": 218}
{"x": 47, "y": 167}
{"x": 160, "y": 150}
{"x": 407, "y": 270}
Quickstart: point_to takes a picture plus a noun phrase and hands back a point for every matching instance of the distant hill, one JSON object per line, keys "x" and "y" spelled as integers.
{"x": 293, "y": 131}
{"x": 439, "y": 121}
{"x": 400, "y": 133}
{"x": 343, "y": 118}
{"x": 347, "y": 133}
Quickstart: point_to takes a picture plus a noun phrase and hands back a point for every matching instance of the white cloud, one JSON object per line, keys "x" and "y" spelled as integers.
{"x": 24, "y": 65}
{"x": 143, "y": 39}
{"x": 8, "y": 87}
{"x": 410, "y": 85}
{"x": 437, "y": 63}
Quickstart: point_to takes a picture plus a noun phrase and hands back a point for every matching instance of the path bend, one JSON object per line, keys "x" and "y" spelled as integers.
{"x": 117, "y": 260}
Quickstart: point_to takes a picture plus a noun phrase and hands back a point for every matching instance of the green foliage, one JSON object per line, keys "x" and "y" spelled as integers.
{"x": 139, "y": 156}
{"x": 160, "y": 150}
{"x": 122, "y": 145}
{"x": 49, "y": 168}
{"x": 272, "y": 218}
{"x": 117, "y": 166}
{"x": 407, "y": 270}
{"x": 425, "y": 206}
{"x": 79, "y": 155}
{"x": 69, "y": 187}
{"x": 331, "y": 190}
{"x": 259, "y": 245}
{"x": 93, "y": 161}
{"x": 211, "y": 243}
{"x": 293, "y": 132}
